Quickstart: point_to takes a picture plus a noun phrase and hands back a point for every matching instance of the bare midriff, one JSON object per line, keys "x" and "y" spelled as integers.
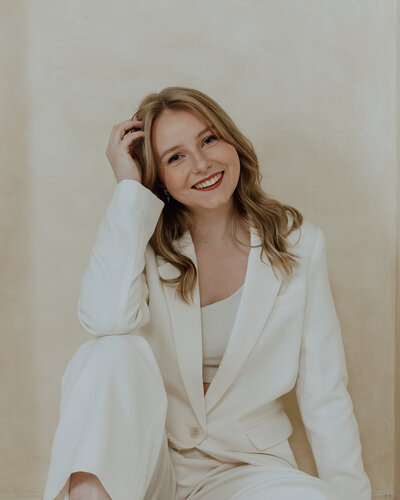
{"x": 206, "y": 385}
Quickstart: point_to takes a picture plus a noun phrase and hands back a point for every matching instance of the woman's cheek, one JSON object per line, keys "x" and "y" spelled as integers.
{"x": 177, "y": 182}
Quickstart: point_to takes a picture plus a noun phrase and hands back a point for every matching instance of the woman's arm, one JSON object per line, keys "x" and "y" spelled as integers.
{"x": 113, "y": 288}
{"x": 324, "y": 402}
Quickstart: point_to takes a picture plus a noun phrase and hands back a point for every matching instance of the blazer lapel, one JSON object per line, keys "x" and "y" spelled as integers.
{"x": 187, "y": 329}
{"x": 259, "y": 292}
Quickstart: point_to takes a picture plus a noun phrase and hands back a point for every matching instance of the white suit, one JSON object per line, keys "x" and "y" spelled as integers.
{"x": 286, "y": 333}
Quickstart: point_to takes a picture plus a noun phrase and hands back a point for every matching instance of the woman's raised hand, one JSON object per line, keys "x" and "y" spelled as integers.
{"x": 120, "y": 150}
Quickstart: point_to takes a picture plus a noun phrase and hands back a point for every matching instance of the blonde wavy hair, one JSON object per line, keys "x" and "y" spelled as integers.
{"x": 256, "y": 208}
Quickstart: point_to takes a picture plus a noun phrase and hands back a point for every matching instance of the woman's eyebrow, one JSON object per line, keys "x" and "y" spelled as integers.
{"x": 211, "y": 128}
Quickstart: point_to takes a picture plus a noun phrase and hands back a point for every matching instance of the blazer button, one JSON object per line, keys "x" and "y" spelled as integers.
{"x": 194, "y": 432}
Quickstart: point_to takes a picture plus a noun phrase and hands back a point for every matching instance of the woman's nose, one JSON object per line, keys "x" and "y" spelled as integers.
{"x": 201, "y": 162}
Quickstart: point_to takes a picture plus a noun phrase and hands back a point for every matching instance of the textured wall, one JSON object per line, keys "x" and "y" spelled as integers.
{"x": 311, "y": 83}
{"x": 397, "y": 306}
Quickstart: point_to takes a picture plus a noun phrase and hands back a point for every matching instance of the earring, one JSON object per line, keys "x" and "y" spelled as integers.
{"x": 167, "y": 195}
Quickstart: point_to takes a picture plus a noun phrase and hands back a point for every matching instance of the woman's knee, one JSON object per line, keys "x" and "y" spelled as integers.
{"x": 126, "y": 357}
{"x": 126, "y": 351}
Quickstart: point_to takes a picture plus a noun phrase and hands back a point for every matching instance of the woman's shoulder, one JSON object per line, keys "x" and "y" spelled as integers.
{"x": 304, "y": 237}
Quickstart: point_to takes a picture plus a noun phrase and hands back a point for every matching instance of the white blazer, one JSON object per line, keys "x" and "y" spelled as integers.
{"x": 286, "y": 333}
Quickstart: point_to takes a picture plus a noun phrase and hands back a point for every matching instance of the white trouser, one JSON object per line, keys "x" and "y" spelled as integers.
{"x": 112, "y": 424}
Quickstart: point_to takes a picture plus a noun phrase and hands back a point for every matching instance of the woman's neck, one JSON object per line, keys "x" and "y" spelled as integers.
{"x": 218, "y": 232}
{"x": 212, "y": 231}
{"x": 213, "y": 225}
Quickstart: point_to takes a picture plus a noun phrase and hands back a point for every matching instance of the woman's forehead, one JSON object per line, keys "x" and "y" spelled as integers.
{"x": 172, "y": 124}
{"x": 169, "y": 118}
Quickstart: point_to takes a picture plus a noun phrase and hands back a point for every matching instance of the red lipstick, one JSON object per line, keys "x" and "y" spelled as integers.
{"x": 209, "y": 177}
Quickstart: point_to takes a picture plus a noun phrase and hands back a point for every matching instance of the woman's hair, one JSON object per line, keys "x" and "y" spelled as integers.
{"x": 267, "y": 215}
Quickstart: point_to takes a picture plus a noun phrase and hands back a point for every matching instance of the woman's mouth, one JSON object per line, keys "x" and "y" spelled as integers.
{"x": 212, "y": 183}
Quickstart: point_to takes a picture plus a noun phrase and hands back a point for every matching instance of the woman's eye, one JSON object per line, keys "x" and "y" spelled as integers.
{"x": 209, "y": 137}
{"x": 176, "y": 156}
{"x": 173, "y": 158}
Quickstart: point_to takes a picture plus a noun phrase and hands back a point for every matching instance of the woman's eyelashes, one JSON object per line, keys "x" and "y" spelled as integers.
{"x": 175, "y": 156}
{"x": 209, "y": 137}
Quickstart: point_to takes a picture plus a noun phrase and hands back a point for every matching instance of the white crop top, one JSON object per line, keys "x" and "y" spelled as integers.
{"x": 217, "y": 322}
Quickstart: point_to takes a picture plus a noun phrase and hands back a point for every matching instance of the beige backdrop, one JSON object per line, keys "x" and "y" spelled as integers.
{"x": 311, "y": 83}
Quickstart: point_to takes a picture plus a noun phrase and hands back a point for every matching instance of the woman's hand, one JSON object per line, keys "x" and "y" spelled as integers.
{"x": 120, "y": 150}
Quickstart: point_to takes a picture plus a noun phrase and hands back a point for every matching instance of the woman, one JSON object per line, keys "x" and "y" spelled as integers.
{"x": 209, "y": 300}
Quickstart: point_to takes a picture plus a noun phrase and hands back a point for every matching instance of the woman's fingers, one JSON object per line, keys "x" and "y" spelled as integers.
{"x": 128, "y": 126}
{"x": 120, "y": 149}
{"x": 120, "y": 129}
{"x": 131, "y": 136}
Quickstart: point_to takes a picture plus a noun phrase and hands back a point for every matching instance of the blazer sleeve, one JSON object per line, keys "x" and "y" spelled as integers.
{"x": 114, "y": 293}
{"x": 321, "y": 388}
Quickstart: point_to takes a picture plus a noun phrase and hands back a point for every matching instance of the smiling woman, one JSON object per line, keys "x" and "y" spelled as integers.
{"x": 197, "y": 164}
{"x": 188, "y": 140}
{"x": 197, "y": 336}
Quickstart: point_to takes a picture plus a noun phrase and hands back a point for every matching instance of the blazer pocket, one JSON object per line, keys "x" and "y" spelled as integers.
{"x": 288, "y": 298}
{"x": 271, "y": 431}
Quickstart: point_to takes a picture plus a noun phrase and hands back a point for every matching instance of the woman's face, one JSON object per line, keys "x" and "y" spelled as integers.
{"x": 188, "y": 152}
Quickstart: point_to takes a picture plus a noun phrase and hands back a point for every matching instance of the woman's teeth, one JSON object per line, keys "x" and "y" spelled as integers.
{"x": 208, "y": 183}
